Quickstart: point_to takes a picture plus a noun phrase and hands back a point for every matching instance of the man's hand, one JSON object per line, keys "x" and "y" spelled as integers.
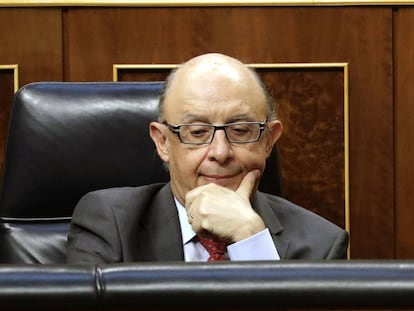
{"x": 223, "y": 212}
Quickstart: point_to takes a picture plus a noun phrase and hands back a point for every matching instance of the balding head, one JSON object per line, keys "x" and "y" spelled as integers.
{"x": 215, "y": 75}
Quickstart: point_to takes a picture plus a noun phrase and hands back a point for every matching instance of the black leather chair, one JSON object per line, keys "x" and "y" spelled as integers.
{"x": 66, "y": 139}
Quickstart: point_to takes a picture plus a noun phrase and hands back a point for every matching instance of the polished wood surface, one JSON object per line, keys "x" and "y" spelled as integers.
{"x": 83, "y": 44}
{"x": 32, "y": 38}
{"x": 311, "y": 107}
{"x": 404, "y": 132}
{"x": 205, "y": 3}
{"x": 6, "y": 91}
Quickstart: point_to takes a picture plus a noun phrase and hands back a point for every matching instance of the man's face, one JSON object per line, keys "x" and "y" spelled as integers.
{"x": 216, "y": 97}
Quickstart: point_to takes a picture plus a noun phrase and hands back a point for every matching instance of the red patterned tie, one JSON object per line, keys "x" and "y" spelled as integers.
{"x": 215, "y": 247}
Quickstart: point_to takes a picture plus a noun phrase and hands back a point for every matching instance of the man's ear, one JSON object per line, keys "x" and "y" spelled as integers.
{"x": 156, "y": 130}
{"x": 275, "y": 131}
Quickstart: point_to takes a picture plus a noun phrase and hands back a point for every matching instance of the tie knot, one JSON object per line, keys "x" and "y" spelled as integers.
{"x": 215, "y": 247}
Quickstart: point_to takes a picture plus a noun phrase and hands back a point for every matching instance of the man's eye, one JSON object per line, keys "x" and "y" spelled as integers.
{"x": 240, "y": 130}
{"x": 200, "y": 132}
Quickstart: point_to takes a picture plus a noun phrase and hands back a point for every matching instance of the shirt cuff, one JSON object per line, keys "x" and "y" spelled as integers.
{"x": 257, "y": 247}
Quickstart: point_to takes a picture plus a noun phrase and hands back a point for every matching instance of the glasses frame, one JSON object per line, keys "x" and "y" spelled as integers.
{"x": 176, "y": 130}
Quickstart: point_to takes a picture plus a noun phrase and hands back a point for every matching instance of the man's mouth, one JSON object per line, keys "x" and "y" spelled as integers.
{"x": 222, "y": 180}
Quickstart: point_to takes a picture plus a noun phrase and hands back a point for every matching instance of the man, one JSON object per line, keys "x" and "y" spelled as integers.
{"x": 216, "y": 128}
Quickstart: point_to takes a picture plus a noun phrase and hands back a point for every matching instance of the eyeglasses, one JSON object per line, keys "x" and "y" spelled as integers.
{"x": 200, "y": 134}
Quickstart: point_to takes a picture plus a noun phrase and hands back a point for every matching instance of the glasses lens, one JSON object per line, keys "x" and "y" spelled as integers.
{"x": 196, "y": 134}
{"x": 243, "y": 132}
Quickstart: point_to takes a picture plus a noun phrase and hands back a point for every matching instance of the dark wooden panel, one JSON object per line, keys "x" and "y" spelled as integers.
{"x": 404, "y": 132}
{"x": 357, "y": 35}
{"x": 143, "y": 75}
{"x": 6, "y": 95}
{"x": 311, "y": 107}
{"x": 32, "y": 38}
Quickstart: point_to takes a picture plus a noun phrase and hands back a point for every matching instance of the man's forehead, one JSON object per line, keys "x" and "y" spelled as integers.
{"x": 216, "y": 80}
{"x": 211, "y": 80}
{"x": 214, "y": 112}
{"x": 217, "y": 119}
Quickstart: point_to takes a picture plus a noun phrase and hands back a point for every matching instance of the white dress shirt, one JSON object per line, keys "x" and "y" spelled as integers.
{"x": 257, "y": 247}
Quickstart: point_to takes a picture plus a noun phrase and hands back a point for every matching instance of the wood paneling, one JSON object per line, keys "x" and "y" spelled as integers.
{"x": 6, "y": 95}
{"x": 311, "y": 108}
{"x": 32, "y": 38}
{"x": 404, "y": 132}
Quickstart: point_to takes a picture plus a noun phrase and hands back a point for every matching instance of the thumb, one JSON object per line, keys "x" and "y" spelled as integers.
{"x": 248, "y": 183}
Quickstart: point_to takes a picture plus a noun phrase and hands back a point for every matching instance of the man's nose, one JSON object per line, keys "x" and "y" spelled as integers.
{"x": 220, "y": 147}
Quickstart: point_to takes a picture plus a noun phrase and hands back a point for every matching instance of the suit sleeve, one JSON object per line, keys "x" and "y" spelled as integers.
{"x": 93, "y": 235}
{"x": 339, "y": 247}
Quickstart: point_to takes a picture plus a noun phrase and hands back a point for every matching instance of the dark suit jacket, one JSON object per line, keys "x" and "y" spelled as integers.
{"x": 141, "y": 224}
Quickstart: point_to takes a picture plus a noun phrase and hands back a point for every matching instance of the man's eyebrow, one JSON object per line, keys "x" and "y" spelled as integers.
{"x": 191, "y": 118}
{"x": 241, "y": 118}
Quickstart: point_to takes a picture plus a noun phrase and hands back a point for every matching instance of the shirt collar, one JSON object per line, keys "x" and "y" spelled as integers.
{"x": 186, "y": 230}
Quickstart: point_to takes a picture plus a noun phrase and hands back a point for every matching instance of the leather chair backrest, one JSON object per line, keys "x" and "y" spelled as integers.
{"x": 66, "y": 139}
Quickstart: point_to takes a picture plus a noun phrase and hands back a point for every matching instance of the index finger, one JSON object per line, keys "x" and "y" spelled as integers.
{"x": 248, "y": 183}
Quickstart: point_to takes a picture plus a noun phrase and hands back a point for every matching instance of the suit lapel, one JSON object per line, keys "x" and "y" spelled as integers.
{"x": 159, "y": 236}
{"x": 264, "y": 209}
